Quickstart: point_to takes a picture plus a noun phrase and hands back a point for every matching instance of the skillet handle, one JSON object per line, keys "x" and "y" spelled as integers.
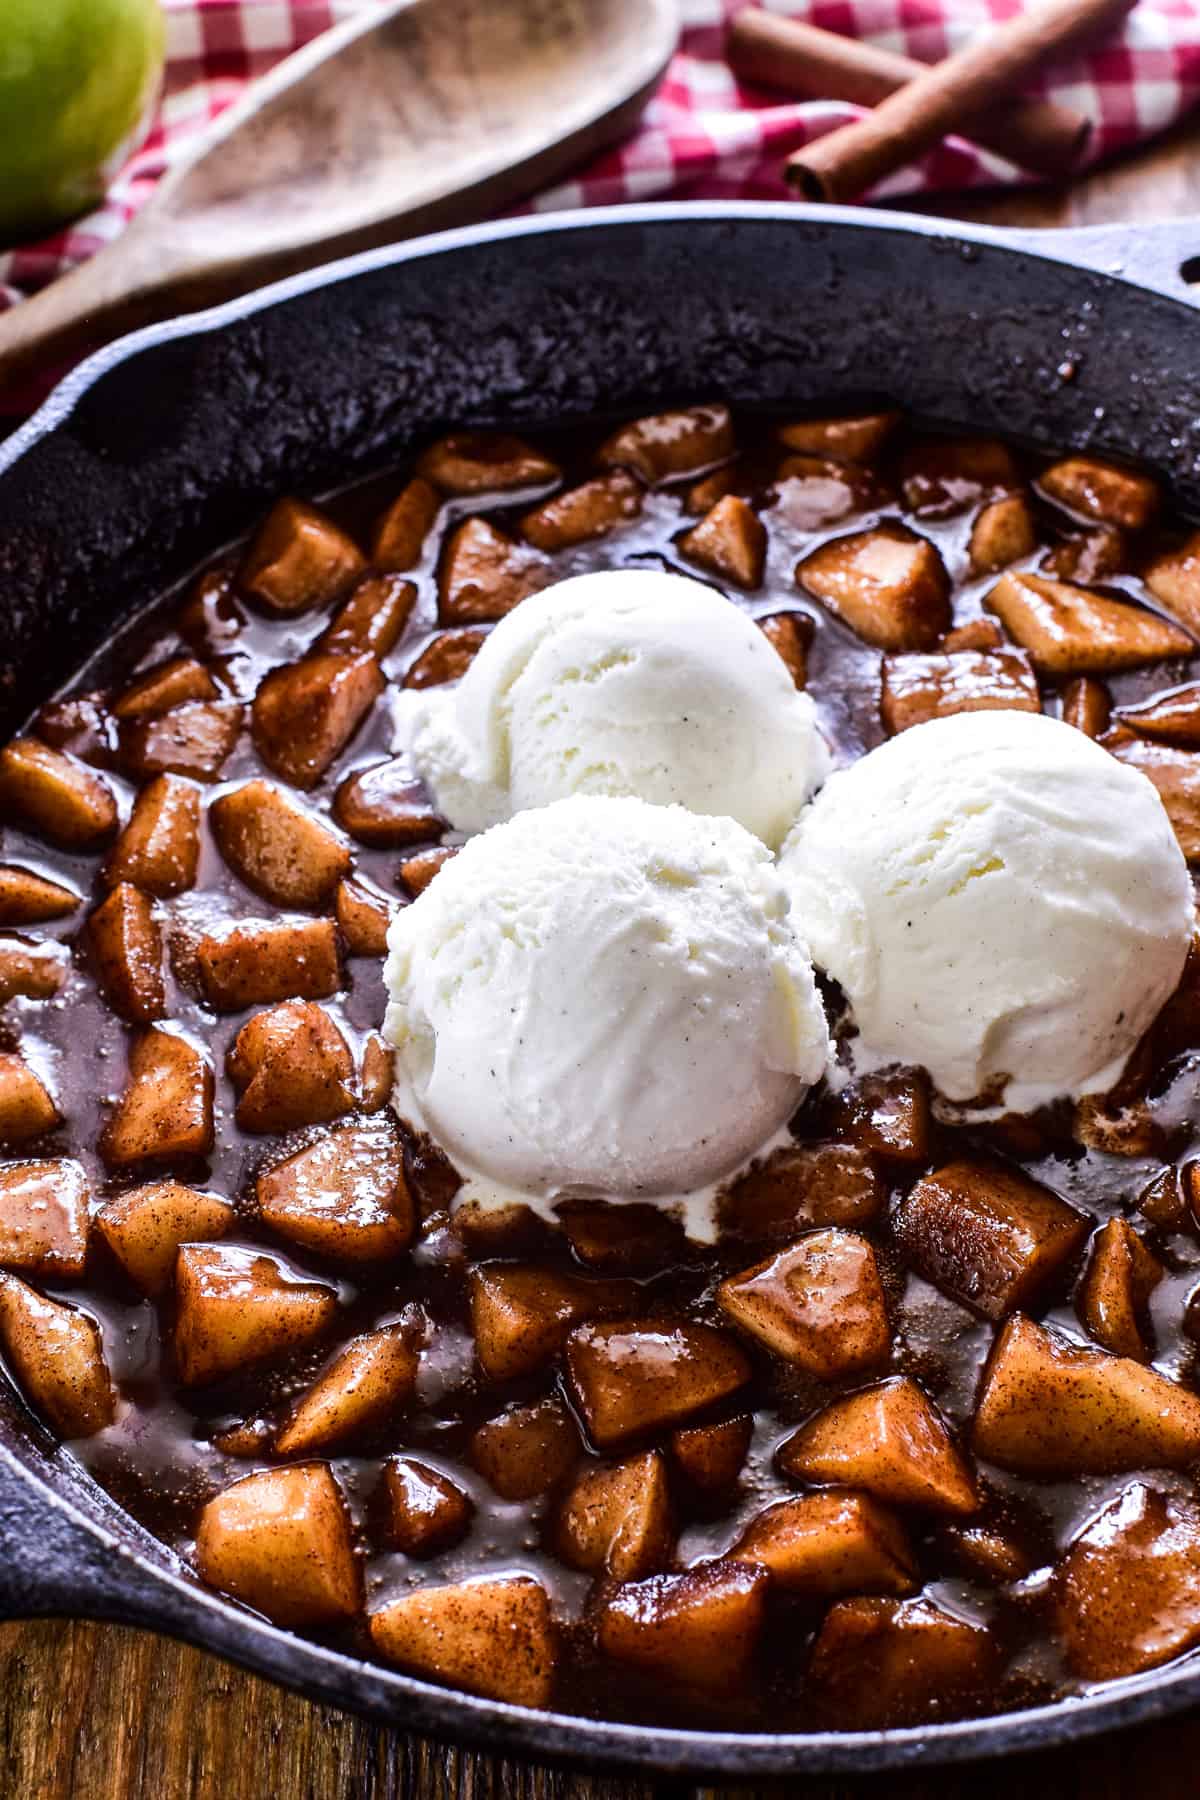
{"x": 1163, "y": 254}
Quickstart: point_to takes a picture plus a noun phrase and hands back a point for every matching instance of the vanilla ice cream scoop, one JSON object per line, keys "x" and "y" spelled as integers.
{"x": 602, "y": 997}
{"x": 1001, "y": 901}
{"x": 628, "y": 681}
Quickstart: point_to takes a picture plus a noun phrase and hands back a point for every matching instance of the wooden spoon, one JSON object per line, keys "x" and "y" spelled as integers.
{"x": 427, "y": 114}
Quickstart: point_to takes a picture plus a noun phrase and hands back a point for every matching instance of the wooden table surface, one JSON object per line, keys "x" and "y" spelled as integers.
{"x": 91, "y": 1712}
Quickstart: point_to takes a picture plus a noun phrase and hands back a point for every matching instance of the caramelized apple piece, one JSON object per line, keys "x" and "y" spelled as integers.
{"x": 237, "y": 1308}
{"x": 887, "y": 1114}
{"x": 58, "y": 1359}
{"x": 821, "y": 1184}
{"x": 919, "y": 688}
{"x": 584, "y": 513}
{"x": 1071, "y": 631}
{"x": 526, "y": 1449}
{"x": 1049, "y": 1407}
{"x": 987, "y": 1551}
{"x": 697, "y": 1631}
{"x": 383, "y": 807}
{"x": 1127, "y": 1592}
{"x": 819, "y": 1304}
{"x": 416, "y": 872}
{"x": 812, "y": 494}
{"x": 44, "y": 1217}
{"x": 1164, "y": 1201}
{"x": 371, "y": 622}
{"x": 426, "y": 1511}
{"x": 166, "y": 1110}
{"x": 55, "y": 796}
{"x": 363, "y": 915}
{"x": 888, "y": 585}
{"x": 30, "y": 899}
{"x": 485, "y": 462}
{"x": 884, "y": 1663}
{"x": 483, "y": 1228}
{"x": 280, "y": 1542}
{"x": 305, "y": 713}
{"x": 1174, "y": 579}
{"x": 1176, "y": 775}
{"x": 616, "y": 1519}
{"x": 145, "y": 1227}
{"x": 974, "y": 634}
{"x": 665, "y": 445}
{"x": 26, "y": 1107}
{"x": 401, "y": 531}
{"x": 521, "y": 1314}
{"x": 344, "y": 1196}
{"x": 1120, "y": 1277}
{"x": 629, "y": 1380}
{"x": 82, "y": 726}
{"x": 446, "y": 657}
{"x": 367, "y": 1382}
{"x": 291, "y": 1066}
{"x": 711, "y": 1456}
{"x": 297, "y": 560}
{"x": 1173, "y": 716}
{"x": 702, "y": 495}
{"x": 1087, "y": 704}
{"x": 196, "y": 740}
{"x": 1003, "y": 533}
{"x": 378, "y": 1074}
{"x": 1087, "y": 556}
{"x": 986, "y": 1235}
{"x": 170, "y": 684}
{"x": 492, "y": 1636}
{"x": 159, "y": 849}
{"x": 211, "y": 620}
{"x": 946, "y": 475}
{"x": 731, "y": 540}
{"x": 484, "y": 574}
{"x": 856, "y": 438}
{"x": 259, "y": 961}
{"x": 1100, "y": 490}
{"x": 34, "y": 971}
{"x": 622, "y": 1235}
{"x": 277, "y": 846}
{"x": 835, "y": 1543}
{"x": 127, "y": 949}
{"x": 790, "y": 635}
{"x": 890, "y": 1440}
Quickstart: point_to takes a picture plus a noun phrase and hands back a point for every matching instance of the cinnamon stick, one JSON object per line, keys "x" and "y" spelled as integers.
{"x": 778, "y": 52}
{"x": 841, "y": 165}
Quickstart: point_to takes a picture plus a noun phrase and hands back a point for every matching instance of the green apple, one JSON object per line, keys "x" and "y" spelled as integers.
{"x": 77, "y": 80}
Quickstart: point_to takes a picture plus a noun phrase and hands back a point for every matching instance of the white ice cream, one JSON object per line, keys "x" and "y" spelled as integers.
{"x": 1001, "y": 900}
{"x": 602, "y": 997}
{"x": 628, "y": 681}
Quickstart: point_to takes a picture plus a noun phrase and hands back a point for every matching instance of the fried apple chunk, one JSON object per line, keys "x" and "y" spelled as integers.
{"x": 279, "y": 1541}
{"x": 416, "y": 872}
{"x": 664, "y": 446}
{"x": 365, "y": 1385}
{"x": 492, "y": 1636}
{"x": 1049, "y": 1407}
{"x": 484, "y": 574}
{"x": 400, "y": 532}
{"x": 446, "y": 657}
{"x": 34, "y": 971}
{"x": 890, "y": 1440}
{"x": 291, "y": 1067}
{"x": 305, "y": 713}
{"x": 277, "y": 847}
{"x": 584, "y": 513}
{"x": 166, "y": 1111}
{"x": 363, "y": 916}
{"x": 170, "y": 684}
{"x": 344, "y": 1196}
{"x": 384, "y": 808}
{"x": 371, "y": 622}
{"x": 196, "y": 739}
{"x": 800, "y": 1185}
{"x": 521, "y": 1314}
{"x": 855, "y": 438}
{"x": 1176, "y": 775}
{"x": 298, "y": 559}
{"x": 485, "y": 462}
{"x": 126, "y": 946}
{"x": 629, "y": 1380}
{"x": 44, "y": 1217}
{"x": 829, "y": 1544}
{"x": 526, "y": 1450}
{"x": 145, "y": 1227}
{"x": 887, "y": 584}
{"x": 944, "y": 476}
{"x": 426, "y": 1511}
{"x": 58, "y": 1359}
{"x": 258, "y": 961}
{"x": 236, "y": 1308}
{"x": 30, "y": 899}
{"x": 1172, "y": 717}
{"x": 26, "y": 1106}
{"x": 879, "y": 1663}
{"x": 616, "y": 1519}
{"x": 790, "y": 635}
{"x": 1069, "y": 630}
{"x": 974, "y": 634}
{"x": 888, "y": 1114}
{"x": 1127, "y": 1592}
{"x": 810, "y": 494}
{"x": 1087, "y": 705}
{"x": 1101, "y": 490}
{"x": 697, "y": 1631}
{"x": 159, "y": 849}
{"x": 710, "y": 1457}
{"x": 56, "y": 796}
{"x": 987, "y": 1235}
{"x": 919, "y": 688}
{"x": 731, "y": 540}
{"x": 1120, "y": 1277}
{"x": 1087, "y": 556}
{"x": 1174, "y": 579}
{"x": 819, "y": 1304}
{"x": 378, "y": 1074}
{"x": 1003, "y": 533}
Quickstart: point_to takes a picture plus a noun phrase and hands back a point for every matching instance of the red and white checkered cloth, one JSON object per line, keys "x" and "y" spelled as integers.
{"x": 704, "y": 136}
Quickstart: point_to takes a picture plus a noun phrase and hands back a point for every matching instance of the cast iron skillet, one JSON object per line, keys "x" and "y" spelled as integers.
{"x": 170, "y": 442}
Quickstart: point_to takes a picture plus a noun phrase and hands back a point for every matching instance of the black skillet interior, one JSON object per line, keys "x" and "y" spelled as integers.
{"x": 167, "y": 445}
